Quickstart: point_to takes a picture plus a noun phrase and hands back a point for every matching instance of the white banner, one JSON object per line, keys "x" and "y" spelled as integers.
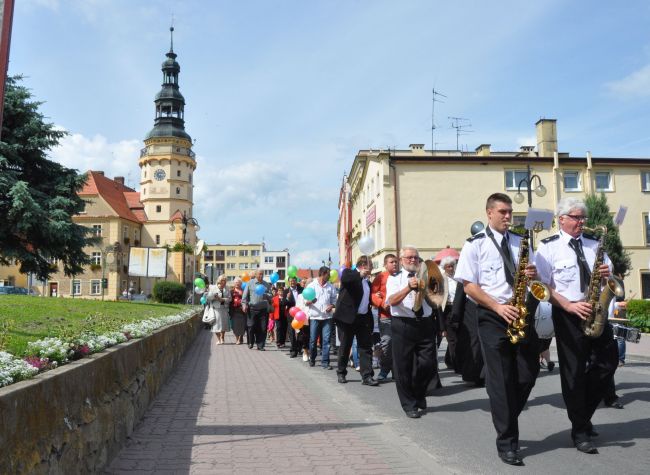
{"x": 138, "y": 261}
{"x": 157, "y": 262}
{"x": 148, "y": 262}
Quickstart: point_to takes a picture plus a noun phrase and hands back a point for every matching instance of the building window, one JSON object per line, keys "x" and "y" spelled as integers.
{"x": 645, "y": 285}
{"x": 97, "y": 230}
{"x": 603, "y": 181}
{"x": 219, "y": 267}
{"x": 209, "y": 255}
{"x": 268, "y": 271}
{"x": 157, "y": 239}
{"x": 178, "y": 173}
{"x": 255, "y": 252}
{"x": 230, "y": 265}
{"x": 518, "y": 220}
{"x": 377, "y": 184}
{"x": 269, "y": 260}
{"x": 514, "y": 177}
{"x": 96, "y": 258}
{"x": 230, "y": 278}
{"x": 178, "y": 190}
{"x": 645, "y": 181}
{"x": 190, "y": 178}
{"x": 281, "y": 274}
{"x": 254, "y": 265}
{"x": 158, "y": 208}
{"x": 231, "y": 253}
{"x": 95, "y": 287}
{"x": 646, "y": 222}
{"x": 76, "y": 287}
{"x": 243, "y": 253}
{"x": 243, "y": 266}
{"x": 572, "y": 181}
{"x": 380, "y": 237}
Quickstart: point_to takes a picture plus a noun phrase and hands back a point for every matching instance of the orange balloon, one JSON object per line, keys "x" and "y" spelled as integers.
{"x": 245, "y": 277}
{"x": 297, "y": 324}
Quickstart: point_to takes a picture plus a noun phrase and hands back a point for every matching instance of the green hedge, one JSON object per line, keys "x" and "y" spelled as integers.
{"x": 169, "y": 292}
{"x": 638, "y": 312}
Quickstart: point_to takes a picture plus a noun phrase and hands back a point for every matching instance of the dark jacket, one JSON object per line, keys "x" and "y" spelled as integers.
{"x": 287, "y": 298}
{"x": 350, "y": 295}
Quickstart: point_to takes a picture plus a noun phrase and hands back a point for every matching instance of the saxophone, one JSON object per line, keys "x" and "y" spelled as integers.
{"x": 516, "y": 330}
{"x": 600, "y": 297}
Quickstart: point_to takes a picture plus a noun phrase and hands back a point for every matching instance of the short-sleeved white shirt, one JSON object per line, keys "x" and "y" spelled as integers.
{"x": 394, "y": 284}
{"x": 557, "y": 264}
{"x": 325, "y": 295}
{"x": 481, "y": 263}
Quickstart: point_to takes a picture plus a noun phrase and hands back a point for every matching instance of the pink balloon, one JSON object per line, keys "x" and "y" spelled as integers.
{"x": 300, "y": 316}
{"x": 293, "y": 311}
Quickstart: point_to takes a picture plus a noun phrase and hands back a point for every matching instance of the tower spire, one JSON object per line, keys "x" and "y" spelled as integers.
{"x": 171, "y": 34}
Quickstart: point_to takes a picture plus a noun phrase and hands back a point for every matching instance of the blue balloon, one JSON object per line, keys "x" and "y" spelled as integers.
{"x": 203, "y": 300}
{"x": 243, "y": 285}
{"x": 354, "y": 267}
{"x": 260, "y": 289}
{"x": 274, "y": 278}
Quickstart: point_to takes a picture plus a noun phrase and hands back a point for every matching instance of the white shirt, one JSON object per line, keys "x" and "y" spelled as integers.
{"x": 325, "y": 295}
{"x": 394, "y": 284}
{"x": 365, "y": 300}
{"x": 557, "y": 264}
{"x": 481, "y": 263}
{"x": 451, "y": 287}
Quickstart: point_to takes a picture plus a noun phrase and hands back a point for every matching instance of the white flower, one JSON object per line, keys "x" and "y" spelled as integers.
{"x": 14, "y": 369}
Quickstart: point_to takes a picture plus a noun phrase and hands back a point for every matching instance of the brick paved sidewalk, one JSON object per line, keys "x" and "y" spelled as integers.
{"x": 228, "y": 409}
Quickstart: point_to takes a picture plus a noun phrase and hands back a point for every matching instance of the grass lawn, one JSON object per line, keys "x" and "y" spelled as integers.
{"x": 26, "y": 318}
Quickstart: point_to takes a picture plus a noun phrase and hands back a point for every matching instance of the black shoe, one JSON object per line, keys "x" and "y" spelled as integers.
{"x": 414, "y": 414}
{"x": 422, "y": 405}
{"x": 368, "y": 381}
{"x": 328, "y": 367}
{"x": 342, "y": 379}
{"x": 511, "y": 458}
{"x": 293, "y": 355}
{"x": 551, "y": 366}
{"x": 250, "y": 347}
{"x": 592, "y": 433}
{"x": 312, "y": 363}
{"x": 259, "y": 348}
{"x": 586, "y": 447}
{"x": 615, "y": 404}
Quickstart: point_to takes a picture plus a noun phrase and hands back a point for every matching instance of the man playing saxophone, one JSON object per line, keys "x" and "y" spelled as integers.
{"x": 487, "y": 268}
{"x": 566, "y": 262}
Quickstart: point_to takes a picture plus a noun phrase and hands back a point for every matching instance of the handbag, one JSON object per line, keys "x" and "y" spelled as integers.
{"x": 209, "y": 315}
{"x": 544, "y": 321}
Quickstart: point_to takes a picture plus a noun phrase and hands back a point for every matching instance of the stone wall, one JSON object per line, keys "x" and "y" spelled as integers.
{"x": 76, "y": 418}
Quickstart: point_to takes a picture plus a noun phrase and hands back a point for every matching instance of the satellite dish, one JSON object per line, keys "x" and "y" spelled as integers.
{"x": 199, "y": 247}
{"x": 476, "y": 227}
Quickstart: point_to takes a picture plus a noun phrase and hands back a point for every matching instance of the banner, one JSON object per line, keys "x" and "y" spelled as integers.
{"x": 148, "y": 262}
{"x": 157, "y": 262}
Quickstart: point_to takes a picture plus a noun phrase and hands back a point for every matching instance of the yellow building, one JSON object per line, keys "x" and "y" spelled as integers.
{"x": 233, "y": 260}
{"x": 430, "y": 198}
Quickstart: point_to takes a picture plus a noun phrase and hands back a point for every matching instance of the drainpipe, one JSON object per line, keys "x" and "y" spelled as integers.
{"x": 588, "y": 175}
{"x": 398, "y": 244}
{"x": 556, "y": 177}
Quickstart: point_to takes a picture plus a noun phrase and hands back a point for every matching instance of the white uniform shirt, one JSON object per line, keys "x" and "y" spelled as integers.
{"x": 557, "y": 264}
{"x": 394, "y": 284}
{"x": 365, "y": 299}
{"x": 481, "y": 263}
{"x": 325, "y": 295}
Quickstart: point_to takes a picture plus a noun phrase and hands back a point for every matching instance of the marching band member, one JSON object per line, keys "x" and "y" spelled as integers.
{"x": 487, "y": 267}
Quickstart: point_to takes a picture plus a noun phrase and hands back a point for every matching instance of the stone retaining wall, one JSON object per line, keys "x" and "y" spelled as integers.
{"x": 76, "y": 418}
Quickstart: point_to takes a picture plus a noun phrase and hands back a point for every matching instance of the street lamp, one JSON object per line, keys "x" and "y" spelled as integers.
{"x": 540, "y": 190}
{"x": 108, "y": 257}
{"x": 183, "y": 222}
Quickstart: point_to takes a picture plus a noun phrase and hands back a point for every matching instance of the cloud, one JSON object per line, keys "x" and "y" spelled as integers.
{"x": 531, "y": 140}
{"x": 97, "y": 153}
{"x": 636, "y": 84}
{"x": 312, "y": 258}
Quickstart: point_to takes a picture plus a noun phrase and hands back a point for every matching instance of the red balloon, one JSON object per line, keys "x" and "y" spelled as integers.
{"x": 300, "y": 316}
{"x": 293, "y": 311}
{"x": 297, "y": 324}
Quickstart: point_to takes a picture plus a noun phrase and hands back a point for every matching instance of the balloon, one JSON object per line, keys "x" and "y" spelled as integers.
{"x": 477, "y": 227}
{"x": 293, "y": 311}
{"x": 200, "y": 283}
{"x": 300, "y": 316}
{"x": 367, "y": 245}
{"x": 354, "y": 267}
{"x": 292, "y": 271}
{"x": 341, "y": 269}
{"x": 334, "y": 275}
{"x": 245, "y": 277}
{"x": 198, "y": 290}
{"x": 309, "y": 294}
{"x": 274, "y": 278}
{"x": 260, "y": 289}
{"x": 204, "y": 300}
{"x": 297, "y": 324}
{"x": 243, "y": 285}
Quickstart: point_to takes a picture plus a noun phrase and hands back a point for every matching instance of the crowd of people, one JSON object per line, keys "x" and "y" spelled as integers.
{"x": 380, "y": 324}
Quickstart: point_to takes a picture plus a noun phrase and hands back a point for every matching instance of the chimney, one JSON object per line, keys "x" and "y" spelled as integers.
{"x": 546, "y": 137}
{"x": 119, "y": 179}
{"x": 483, "y": 150}
{"x": 417, "y": 148}
{"x": 527, "y": 150}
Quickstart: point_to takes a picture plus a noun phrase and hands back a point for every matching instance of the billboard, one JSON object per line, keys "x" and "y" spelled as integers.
{"x": 148, "y": 262}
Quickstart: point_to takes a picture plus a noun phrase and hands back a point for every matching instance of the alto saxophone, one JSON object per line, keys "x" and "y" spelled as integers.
{"x": 516, "y": 330}
{"x": 600, "y": 297}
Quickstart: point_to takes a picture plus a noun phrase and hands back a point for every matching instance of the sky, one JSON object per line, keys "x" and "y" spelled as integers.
{"x": 281, "y": 94}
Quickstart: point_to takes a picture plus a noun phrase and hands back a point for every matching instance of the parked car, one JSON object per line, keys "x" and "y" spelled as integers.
{"x": 10, "y": 289}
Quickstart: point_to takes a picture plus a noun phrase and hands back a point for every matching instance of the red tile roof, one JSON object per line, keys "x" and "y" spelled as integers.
{"x": 307, "y": 273}
{"x": 123, "y": 200}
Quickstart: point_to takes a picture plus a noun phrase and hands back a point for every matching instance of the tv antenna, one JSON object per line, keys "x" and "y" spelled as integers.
{"x": 433, "y": 115}
{"x": 461, "y": 125}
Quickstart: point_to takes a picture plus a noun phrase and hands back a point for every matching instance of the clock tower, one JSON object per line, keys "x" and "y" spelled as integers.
{"x": 167, "y": 164}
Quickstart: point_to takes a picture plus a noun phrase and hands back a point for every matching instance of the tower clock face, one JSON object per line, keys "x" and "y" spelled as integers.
{"x": 159, "y": 174}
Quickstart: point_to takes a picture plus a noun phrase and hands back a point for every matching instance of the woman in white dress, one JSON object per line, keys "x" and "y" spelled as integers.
{"x": 219, "y": 298}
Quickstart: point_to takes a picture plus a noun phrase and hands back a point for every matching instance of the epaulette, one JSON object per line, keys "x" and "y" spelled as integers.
{"x": 551, "y": 238}
{"x": 476, "y": 236}
{"x": 590, "y": 236}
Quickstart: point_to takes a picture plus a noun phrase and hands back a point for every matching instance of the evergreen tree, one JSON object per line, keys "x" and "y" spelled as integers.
{"x": 598, "y": 213}
{"x": 37, "y": 196}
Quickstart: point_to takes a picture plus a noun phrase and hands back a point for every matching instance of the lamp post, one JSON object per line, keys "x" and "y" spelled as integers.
{"x": 539, "y": 191}
{"x": 108, "y": 257}
{"x": 183, "y": 222}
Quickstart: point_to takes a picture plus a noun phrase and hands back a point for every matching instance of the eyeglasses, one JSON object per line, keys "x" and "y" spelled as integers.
{"x": 576, "y": 217}
{"x": 411, "y": 258}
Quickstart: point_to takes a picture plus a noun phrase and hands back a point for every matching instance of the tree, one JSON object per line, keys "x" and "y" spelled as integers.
{"x": 598, "y": 214}
{"x": 38, "y": 197}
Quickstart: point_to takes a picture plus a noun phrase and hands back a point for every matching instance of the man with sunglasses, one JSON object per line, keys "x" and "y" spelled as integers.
{"x": 564, "y": 262}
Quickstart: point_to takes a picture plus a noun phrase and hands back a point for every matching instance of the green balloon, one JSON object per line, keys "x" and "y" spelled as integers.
{"x": 292, "y": 271}
{"x": 200, "y": 283}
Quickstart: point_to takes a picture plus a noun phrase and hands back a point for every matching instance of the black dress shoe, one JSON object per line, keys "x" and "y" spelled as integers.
{"x": 592, "y": 433}
{"x": 615, "y": 404}
{"x": 328, "y": 367}
{"x": 586, "y": 447}
{"x": 342, "y": 379}
{"x": 250, "y": 347}
{"x": 292, "y": 355}
{"x": 551, "y": 366}
{"x": 312, "y": 363}
{"x": 415, "y": 414}
{"x": 369, "y": 381}
{"x": 511, "y": 458}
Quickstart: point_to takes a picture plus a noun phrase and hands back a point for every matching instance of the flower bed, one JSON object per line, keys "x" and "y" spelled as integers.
{"x": 49, "y": 353}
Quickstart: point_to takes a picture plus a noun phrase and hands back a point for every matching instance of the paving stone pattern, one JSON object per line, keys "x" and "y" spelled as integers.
{"x": 229, "y": 409}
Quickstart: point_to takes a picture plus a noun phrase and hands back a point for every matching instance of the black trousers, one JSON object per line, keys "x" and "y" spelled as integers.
{"x": 510, "y": 374}
{"x": 299, "y": 340}
{"x": 414, "y": 359}
{"x": 469, "y": 345}
{"x": 258, "y": 322}
{"x": 587, "y": 367}
{"x": 361, "y": 327}
{"x": 451, "y": 329}
{"x": 281, "y": 330}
